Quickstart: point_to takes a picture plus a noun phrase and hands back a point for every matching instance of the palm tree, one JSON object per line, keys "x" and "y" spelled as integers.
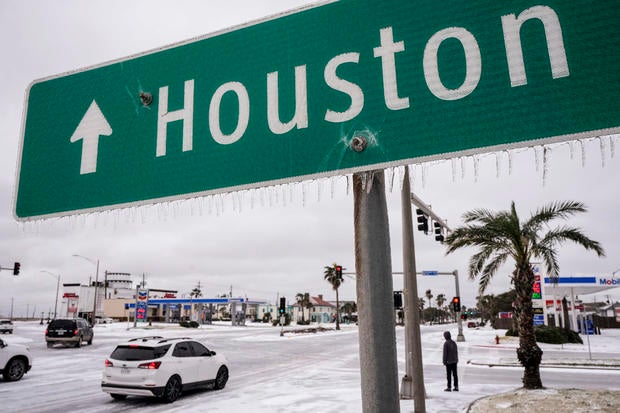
{"x": 303, "y": 300}
{"x": 336, "y": 280}
{"x": 440, "y": 299}
{"x": 421, "y": 303}
{"x": 501, "y": 236}
{"x": 429, "y": 296}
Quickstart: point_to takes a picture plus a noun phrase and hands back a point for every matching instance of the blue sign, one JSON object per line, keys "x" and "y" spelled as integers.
{"x": 539, "y": 319}
{"x": 430, "y": 272}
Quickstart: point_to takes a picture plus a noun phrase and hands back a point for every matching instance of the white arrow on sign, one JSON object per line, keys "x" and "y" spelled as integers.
{"x": 92, "y": 125}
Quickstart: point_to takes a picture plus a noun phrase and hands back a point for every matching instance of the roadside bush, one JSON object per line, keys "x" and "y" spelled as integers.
{"x": 556, "y": 335}
{"x": 287, "y": 320}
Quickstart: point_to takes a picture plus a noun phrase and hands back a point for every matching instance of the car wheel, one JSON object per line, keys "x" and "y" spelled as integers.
{"x": 50, "y": 344}
{"x": 14, "y": 370}
{"x": 172, "y": 391}
{"x": 221, "y": 378}
{"x": 79, "y": 342}
{"x": 90, "y": 342}
{"x": 116, "y": 396}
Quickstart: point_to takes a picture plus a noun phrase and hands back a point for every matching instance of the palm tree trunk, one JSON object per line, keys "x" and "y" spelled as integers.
{"x": 528, "y": 353}
{"x": 337, "y": 311}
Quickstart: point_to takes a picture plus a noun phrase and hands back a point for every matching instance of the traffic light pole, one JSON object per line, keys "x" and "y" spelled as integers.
{"x": 459, "y": 321}
{"x": 428, "y": 212}
{"x": 412, "y": 384}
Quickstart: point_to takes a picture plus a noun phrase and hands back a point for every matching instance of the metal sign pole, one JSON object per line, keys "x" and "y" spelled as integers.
{"x": 377, "y": 336}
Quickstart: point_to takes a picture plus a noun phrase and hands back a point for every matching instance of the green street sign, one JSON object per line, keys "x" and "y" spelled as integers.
{"x": 331, "y": 89}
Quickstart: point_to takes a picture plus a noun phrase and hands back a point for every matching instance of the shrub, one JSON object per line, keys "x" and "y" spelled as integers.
{"x": 556, "y": 335}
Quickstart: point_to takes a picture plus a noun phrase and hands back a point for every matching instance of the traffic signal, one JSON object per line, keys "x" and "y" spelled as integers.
{"x": 422, "y": 220}
{"x": 339, "y": 271}
{"x": 16, "y": 268}
{"x": 456, "y": 304}
{"x": 282, "y": 308}
{"x": 398, "y": 299}
{"x": 438, "y": 232}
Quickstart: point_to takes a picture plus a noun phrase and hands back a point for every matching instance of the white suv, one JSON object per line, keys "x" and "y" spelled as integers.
{"x": 15, "y": 360}
{"x": 162, "y": 367}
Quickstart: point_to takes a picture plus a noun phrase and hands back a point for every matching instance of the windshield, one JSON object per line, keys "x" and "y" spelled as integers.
{"x": 66, "y": 324}
{"x": 138, "y": 353}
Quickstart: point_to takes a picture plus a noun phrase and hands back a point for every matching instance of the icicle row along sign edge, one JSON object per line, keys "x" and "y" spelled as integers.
{"x": 329, "y": 89}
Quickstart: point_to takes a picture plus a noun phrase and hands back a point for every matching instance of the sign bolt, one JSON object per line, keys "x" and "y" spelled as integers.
{"x": 146, "y": 98}
{"x": 358, "y": 143}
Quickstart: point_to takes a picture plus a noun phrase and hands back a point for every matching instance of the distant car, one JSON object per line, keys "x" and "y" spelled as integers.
{"x": 6, "y": 326}
{"x": 69, "y": 331}
{"x": 15, "y": 360}
{"x": 472, "y": 324}
{"x": 162, "y": 367}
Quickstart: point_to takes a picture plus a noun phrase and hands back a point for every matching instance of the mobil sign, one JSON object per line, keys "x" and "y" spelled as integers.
{"x": 610, "y": 282}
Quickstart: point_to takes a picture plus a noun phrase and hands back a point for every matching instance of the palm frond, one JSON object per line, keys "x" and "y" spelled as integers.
{"x": 490, "y": 270}
{"x": 563, "y": 234}
{"x": 554, "y": 210}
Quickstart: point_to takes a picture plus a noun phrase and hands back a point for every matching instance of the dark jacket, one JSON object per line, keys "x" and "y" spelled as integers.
{"x": 450, "y": 351}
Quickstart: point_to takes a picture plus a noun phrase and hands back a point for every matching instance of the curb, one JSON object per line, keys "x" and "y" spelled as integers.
{"x": 584, "y": 366}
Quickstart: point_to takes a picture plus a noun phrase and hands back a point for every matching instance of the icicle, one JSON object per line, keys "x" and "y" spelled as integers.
{"x": 546, "y": 154}
{"x": 453, "y": 164}
{"x": 583, "y": 154}
{"x": 283, "y": 194}
{"x": 319, "y": 189}
{"x": 292, "y": 188}
{"x": 509, "y": 154}
{"x": 571, "y": 147}
{"x": 411, "y": 174}
{"x": 476, "y": 167}
{"x": 304, "y": 192}
{"x": 462, "y": 167}
{"x": 612, "y": 146}
{"x": 401, "y": 177}
{"x": 389, "y": 179}
{"x": 424, "y": 176}
{"x": 349, "y": 184}
{"x": 537, "y": 159}
{"x": 369, "y": 181}
{"x": 497, "y": 164}
{"x": 364, "y": 176}
{"x": 602, "y": 146}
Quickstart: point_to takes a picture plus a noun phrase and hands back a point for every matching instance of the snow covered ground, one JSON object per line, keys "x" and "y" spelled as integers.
{"x": 318, "y": 372}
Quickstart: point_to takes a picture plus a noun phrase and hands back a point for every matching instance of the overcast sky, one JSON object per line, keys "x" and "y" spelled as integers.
{"x": 266, "y": 242}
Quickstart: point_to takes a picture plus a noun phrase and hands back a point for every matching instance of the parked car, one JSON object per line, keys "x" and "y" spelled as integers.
{"x": 472, "y": 324}
{"x": 6, "y": 326}
{"x": 15, "y": 360}
{"x": 162, "y": 367}
{"x": 69, "y": 331}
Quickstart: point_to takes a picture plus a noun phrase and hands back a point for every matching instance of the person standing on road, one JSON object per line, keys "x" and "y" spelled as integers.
{"x": 450, "y": 360}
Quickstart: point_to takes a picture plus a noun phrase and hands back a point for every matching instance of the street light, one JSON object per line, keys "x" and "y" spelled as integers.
{"x": 57, "y": 287}
{"x": 96, "y": 285}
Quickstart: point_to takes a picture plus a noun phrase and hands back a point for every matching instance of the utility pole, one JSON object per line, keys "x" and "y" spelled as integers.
{"x": 377, "y": 336}
{"x": 412, "y": 384}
